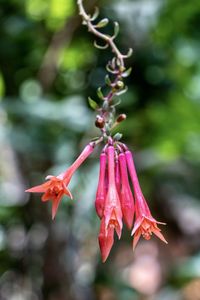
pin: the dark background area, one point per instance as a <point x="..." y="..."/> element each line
<point x="48" y="68"/>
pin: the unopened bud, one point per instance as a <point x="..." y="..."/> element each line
<point x="119" y="85"/>
<point x="121" y="118"/>
<point x="99" y="123"/>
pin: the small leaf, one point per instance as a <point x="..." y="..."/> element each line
<point x="92" y="103"/>
<point x="116" y="29"/>
<point x="99" y="46"/>
<point x="102" y="23"/>
<point x="127" y="72"/>
<point x="100" y="94"/>
<point x="117" y="136"/>
<point x="95" y="15"/>
<point x="107" y="80"/>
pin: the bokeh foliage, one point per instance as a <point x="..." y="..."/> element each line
<point x="48" y="67"/>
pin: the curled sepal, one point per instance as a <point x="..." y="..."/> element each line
<point x="93" y="103"/>
<point x="96" y="14"/>
<point x="122" y="91"/>
<point x="110" y="69"/>
<point x="101" y="47"/>
<point x="130" y="52"/>
<point x="116" y="30"/>
<point x="102" y="23"/>
<point x="100" y="94"/>
<point x="126" y="73"/>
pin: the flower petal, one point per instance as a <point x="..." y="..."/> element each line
<point x="105" y="240"/>
<point x="66" y="191"/>
<point x="55" y="204"/>
<point x="39" y="188"/>
<point x="136" y="238"/>
<point x="157" y="232"/>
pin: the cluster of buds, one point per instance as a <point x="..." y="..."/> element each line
<point x="116" y="203"/>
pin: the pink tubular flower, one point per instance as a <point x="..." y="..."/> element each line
<point x="145" y="224"/>
<point x="117" y="176"/>
<point x="56" y="186"/>
<point x="126" y="197"/>
<point x="101" y="189"/>
<point x="106" y="240"/>
<point x="112" y="210"/>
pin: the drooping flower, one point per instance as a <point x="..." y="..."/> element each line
<point x="126" y="197"/>
<point x="106" y="240"/>
<point x="56" y="186"/>
<point x="145" y="224"/>
<point x="112" y="210"/>
<point x="101" y="188"/>
<point x="54" y="189"/>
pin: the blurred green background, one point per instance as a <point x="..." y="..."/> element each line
<point x="48" y="67"/>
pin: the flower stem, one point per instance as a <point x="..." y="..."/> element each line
<point x="106" y="113"/>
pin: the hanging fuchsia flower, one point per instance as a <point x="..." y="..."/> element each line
<point x="112" y="209"/>
<point x="115" y="202"/>
<point x="101" y="189"/>
<point x="145" y="224"/>
<point x="54" y="189"/>
<point x="56" y="186"/>
<point x="126" y="196"/>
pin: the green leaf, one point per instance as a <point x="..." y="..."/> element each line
<point x="100" y="94"/>
<point x="107" y="80"/>
<point x="127" y="72"/>
<point x="102" y="23"/>
<point x="117" y="136"/>
<point x="116" y="29"/>
<point x="92" y="103"/>
<point x="95" y="15"/>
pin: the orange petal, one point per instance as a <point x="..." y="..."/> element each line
<point x="105" y="241"/>
<point x="136" y="238"/>
<point x="38" y="188"/>
<point x="45" y="197"/>
<point x="55" y="204"/>
<point x="118" y="231"/>
<point x="159" y="234"/>
<point x="137" y="224"/>
<point x="67" y="191"/>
